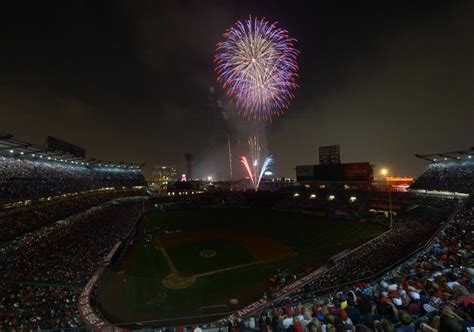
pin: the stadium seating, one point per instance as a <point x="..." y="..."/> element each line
<point x="20" y="220"/>
<point x="24" y="179"/>
<point x="55" y="262"/>
<point x="452" y="176"/>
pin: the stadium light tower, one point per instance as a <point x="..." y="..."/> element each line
<point x="384" y="173"/>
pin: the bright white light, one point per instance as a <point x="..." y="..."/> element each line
<point x="255" y="162"/>
<point x="11" y="151"/>
<point x="22" y="153"/>
<point x="296" y="195"/>
<point x="209" y="178"/>
<point x="331" y="197"/>
<point x="268" y="173"/>
<point x="312" y="196"/>
<point x="435" y="159"/>
<point x="353" y="198"/>
<point x="469" y="157"/>
<point x="33" y="155"/>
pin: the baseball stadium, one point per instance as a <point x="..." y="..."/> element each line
<point x="109" y="252"/>
<point x="237" y="166"/>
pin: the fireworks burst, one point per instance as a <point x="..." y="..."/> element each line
<point x="256" y="64"/>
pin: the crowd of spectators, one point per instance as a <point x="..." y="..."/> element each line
<point x="30" y="217"/>
<point x="431" y="292"/>
<point x="22" y="179"/>
<point x="25" y="307"/>
<point x="60" y="257"/>
<point x="70" y="250"/>
<point x="452" y="176"/>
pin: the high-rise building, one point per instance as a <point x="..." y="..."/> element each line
<point x="162" y="174"/>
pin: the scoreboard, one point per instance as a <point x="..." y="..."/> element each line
<point x="350" y="172"/>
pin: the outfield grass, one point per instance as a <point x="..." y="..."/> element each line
<point x="132" y="295"/>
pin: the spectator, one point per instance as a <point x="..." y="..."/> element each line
<point x="405" y="323"/>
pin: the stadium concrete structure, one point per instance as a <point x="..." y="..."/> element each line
<point x="84" y="247"/>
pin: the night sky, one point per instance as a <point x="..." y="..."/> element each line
<point x="130" y="80"/>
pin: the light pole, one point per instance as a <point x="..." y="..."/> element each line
<point x="384" y="173"/>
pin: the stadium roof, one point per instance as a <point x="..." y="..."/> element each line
<point x="12" y="147"/>
<point x="444" y="156"/>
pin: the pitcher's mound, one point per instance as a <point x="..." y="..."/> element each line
<point x="207" y="253"/>
<point x="176" y="281"/>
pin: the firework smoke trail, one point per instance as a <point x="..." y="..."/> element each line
<point x="248" y="169"/>
<point x="256" y="64"/>
<point x="254" y="154"/>
<point x="266" y="164"/>
<point x="230" y="156"/>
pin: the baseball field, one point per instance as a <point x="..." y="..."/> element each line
<point x="201" y="262"/>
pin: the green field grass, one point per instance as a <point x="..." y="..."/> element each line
<point x="187" y="259"/>
<point x="135" y="292"/>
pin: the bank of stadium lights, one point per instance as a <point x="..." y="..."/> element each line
<point x="73" y="162"/>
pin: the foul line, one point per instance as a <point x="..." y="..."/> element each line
<point x="173" y="269"/>
<point x="168" y="260"/>
<point x="227" y="269"/>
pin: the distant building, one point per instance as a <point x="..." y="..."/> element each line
<point x="162" y="175"/>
